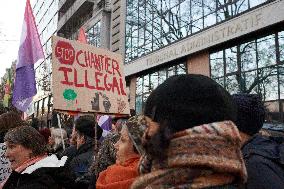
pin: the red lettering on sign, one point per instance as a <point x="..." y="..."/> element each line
<point x="97" y="63"/>
<point x="76" y="79"/>
<point x="92" y="62"/>
<point x="87" y="57"/>
<point x="64" y="52"/>
<point x="86" y="81"/>
<point x="115" y="85"/>
<point x="77" y="58"/>
<point x="91" y="79"/>
<point x="107" y="86"/>
<point x="121" y="87"/>
<point x="97" y="75"/>
<point x="115" y="66"/>
<point x="107" y="64"/>
<point x="66" y="70"/>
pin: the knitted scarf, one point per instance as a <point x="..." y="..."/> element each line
<point x="119" y="176"/>
<point x="200" y="157"/>
<point x="29" y="162"/>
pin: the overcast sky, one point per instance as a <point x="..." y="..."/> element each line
<point x="11" y="19"/>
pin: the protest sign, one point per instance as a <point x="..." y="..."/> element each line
<point x="87" y="79"/>
<point x="5" y="170"/>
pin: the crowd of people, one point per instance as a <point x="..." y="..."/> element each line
<point x="192" y="134"/>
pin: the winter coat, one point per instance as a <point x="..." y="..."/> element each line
<point x="106" y="156"/>
<point x="119" y="176"/>
<point x="48" y="173"/>
<point x="264" y="158"/>
<point x="69" y="152"/>
<point x="82" y="159"/>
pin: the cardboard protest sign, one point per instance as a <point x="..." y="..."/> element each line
<point x="5" y="169"/>
<point x="87" y="79"/>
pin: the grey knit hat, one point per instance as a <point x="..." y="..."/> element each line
<point x="136" y="127"/>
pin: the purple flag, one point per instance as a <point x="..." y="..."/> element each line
<point x="106" y="124"/>
<point x="30" y="51"/>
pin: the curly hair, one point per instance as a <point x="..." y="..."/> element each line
<point x="28" y="137"/>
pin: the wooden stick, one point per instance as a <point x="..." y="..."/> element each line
<point x="61" y="134"/>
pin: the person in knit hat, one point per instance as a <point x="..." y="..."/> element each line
<point x="251" y="113"/>
<point x="125" y="170"/>
<point x="264" y="156"/>
<point x="190" y="140"/>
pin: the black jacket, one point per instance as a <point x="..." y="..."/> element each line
<point x="81" y="160"/>
<point x="264" y="158"/>
<point x="42" y="178"/>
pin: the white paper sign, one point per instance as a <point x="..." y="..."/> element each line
<point x="5" y="169"/>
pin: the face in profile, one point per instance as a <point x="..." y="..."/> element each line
<point x="124" y="147"/>
<point x="17" y="154"/>
<point x="151" y="130"/>
<point x="155" y="139"/>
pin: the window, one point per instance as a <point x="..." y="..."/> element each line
<point x="153" y="24"/>
<point x="94" y="35"/>
<point x="147" y="83"/>
<point x="281" y="45"/>
<point x="253" y="67"/>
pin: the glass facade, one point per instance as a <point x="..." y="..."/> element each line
<point x="147" y="83"/>
<point x="257" y="67"/>
<point x="153" y="24"/>
<point x="94" y="34"/>
<point x="46" y="17"/>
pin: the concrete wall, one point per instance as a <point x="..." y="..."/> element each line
<point x="132" y="91"/>
<point x="105" y="18"/>
<point x="117" y="37"/>
<point x="199" y="64"/>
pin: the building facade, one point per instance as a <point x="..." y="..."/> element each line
<point x="92" y="15"/>
<point x="238" y="43"/>
<point x="46" y="17"/>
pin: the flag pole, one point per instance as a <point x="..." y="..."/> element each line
<point x="96" y="130"/>
<point x="30" y="51"/>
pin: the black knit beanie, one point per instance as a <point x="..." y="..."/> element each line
<point x="251" y="113"/>
<point x="185" y="101"/>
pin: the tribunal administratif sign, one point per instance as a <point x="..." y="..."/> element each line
<point x="87" y="79"/>
<point x="251" y="21"/>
